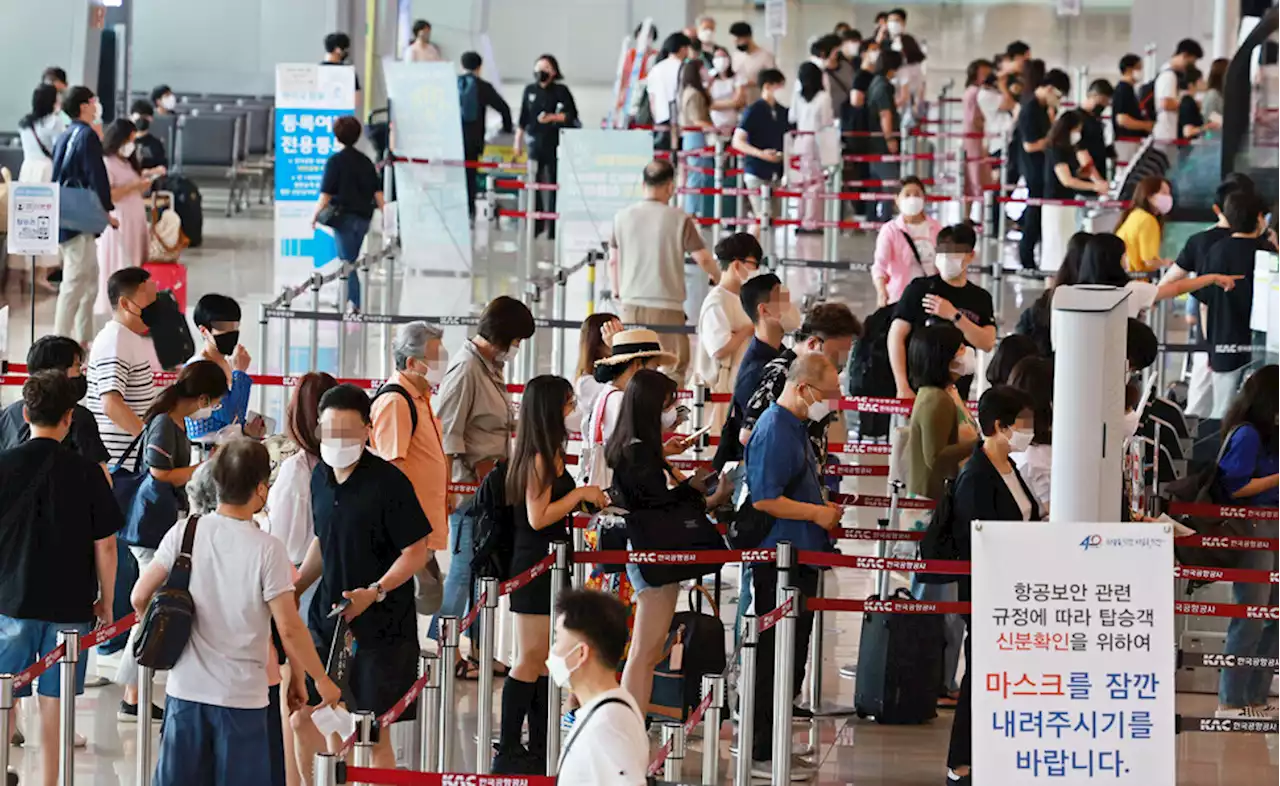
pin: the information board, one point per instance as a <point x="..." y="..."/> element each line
<point x="600" y="173"/>
<point x="33" y="218"/>
<point x="1073" y="656"/>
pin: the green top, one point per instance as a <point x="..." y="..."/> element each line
<point x="934" y="451"/>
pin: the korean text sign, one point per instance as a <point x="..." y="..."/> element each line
<point x="1073" y="658"/>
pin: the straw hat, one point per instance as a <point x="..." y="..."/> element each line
<point x="637" y="343"/>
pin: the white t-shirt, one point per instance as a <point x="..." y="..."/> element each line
<point x="44" y="132"/>
<point x="289" y="506"/>
<point x="663" y="84"/>
<point x="1166" y="127"/>
<point x="812" y="115"/>
<point x="748" y="65"/>
<point x="720" y="90"/>
<point x="721" y="315"/>
<point x="236" y="570"/>
<point x="1142" y="296"/>
<point x="1019" y="495"/>
<point x="608" y="746"/>
<point x="122" y="362"/>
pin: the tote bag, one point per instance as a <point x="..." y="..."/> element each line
<point x="80" y="210"/>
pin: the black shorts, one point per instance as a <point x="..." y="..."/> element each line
<point x="380" y="676"/>
<point x="534" y="597"/>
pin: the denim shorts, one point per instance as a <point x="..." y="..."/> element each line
<point x="637" y="579"/>
<point x="23" y="642"/>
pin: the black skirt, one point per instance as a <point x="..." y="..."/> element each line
<point x="534" y="597"/>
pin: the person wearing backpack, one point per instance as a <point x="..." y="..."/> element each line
<point x="607" y="744"/>
<point x="1128" y="120"/>
<point x="57" y="570"/>
<point x="1164" y="94"/>
<point x="543" y="495"/>
<point x="475" y="97"/>
<point x="905" y="247"/>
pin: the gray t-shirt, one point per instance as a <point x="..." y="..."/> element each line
<point x="881" y="97"/>
<point x="166" y="445"/>
<point x="652" y="239"/>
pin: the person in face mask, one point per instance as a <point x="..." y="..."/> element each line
<point x="988" y="487"/>
<point x="905" y="246"/>
<point x="724" y="328"/>
<point x="61" y="354"/>
<point x="1092" y="133"/>
<point x="126" y="244"/>
<point x="1035" y="119"/>
<point x="406" y="431"/>
<point x="942" y="429"/>
<point x="948" y="296"/>
<point x="166" y="458"/>
<point x="337" y="51"/>
<point x="750" y="59"/>
<point x="370" y="540"/>
<point x="1034" y="377"/>
<point x="1070" y="172"/>
<point x="705" y="32"/>
<point x="783" y="482"/>
<point x="122" y="363"/>
<point x="607" y="744"/>
<point x="1141" y="225"/>
<point x="884" y="121"/>
<point x="217" y="317"/>
<point x="546" y="106"/>
<point x="728" y="95"/>
<point x="163" y="99"/>
<point x="895" y="24"/>
<point x="1129" y="122"/>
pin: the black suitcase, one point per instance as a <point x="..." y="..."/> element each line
<point x="900" y="661"/>
<point x="170" y="332"/>
<point x="187" y="202"/>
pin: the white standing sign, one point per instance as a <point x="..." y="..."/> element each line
<point x="1073" y="657"/>
<point x="775" y="19"/>
<point x="33" y="218"/>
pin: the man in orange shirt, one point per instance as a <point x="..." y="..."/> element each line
<point x="406" y="432"/>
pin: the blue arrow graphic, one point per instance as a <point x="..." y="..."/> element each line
<point x="320" y="247"/>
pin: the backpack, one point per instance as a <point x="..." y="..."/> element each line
<point x="1204" y="486"/>
<point x="165" y="628"/>
<point x="1147" y="100"/>
<point x="469" y="97"/>
<point x="870" y="373"/>
<point x="392" y="387"/>
<point x="695" y="646"/>
<point x="495" y="527"/>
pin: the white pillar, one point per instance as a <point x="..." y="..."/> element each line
<point x="1221" y="35"/>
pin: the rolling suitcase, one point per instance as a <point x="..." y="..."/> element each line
<point x="900" y="661"/>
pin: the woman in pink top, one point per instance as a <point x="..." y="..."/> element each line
<point x="126" y="245"/>
<point x="978" y="173"/>
<point x="905" y="245"/>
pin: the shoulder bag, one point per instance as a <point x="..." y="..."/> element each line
<point x="750" y="525"/>
<point x="150" y="506"/>
<point x="165" y="628"/>
<point x="680" y="526"/>
<point x="80" y="209"/>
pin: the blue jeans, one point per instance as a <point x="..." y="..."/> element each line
<point x="694" y="203"/>
<point x="204" y="744"/>
<point x="23" y="642"/>
<point x="349" y="236"/>
<point x="1244" y="687"/>
<point x="457" y="583"/>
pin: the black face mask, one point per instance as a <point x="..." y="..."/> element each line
<point x="150" y="315"/>
<point x="81" y="386"/>
<point x="744" y="48"/>
<point x="1098" y="110"/>
<point x="227" y="342"/>
<point x="542" y="77"/>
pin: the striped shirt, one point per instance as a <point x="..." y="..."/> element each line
<point x="121" y="362"/>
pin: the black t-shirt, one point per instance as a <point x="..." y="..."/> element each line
<point x="150" y="151"/>
<point x="1124" y="101"/>
<point x="351" y="180"/>
<point x="83" y="438"/>
<point x="1053" y="187"/>
<point x="56" y="504"/>
<point x="862" y="80"/>
<point x="971" y="300"/>
<point x="857" y="116"/>
<point x="1195" y="254"/>
<point x="1228" y="327"/>
<point x="1189" y="114"/>
<point x="1033" y="124"/>
<point x="363" y="524"/>
<point x="544" y="138"/>
<point x="1094" y="141"/>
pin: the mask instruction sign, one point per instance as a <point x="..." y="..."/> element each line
<point x="33" y="218"/>
<point x="1073" y="658"/>
<point x="309" y="98"/>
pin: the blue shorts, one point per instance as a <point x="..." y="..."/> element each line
<point x="201" y="743"/>
<point x="23" y="642"/>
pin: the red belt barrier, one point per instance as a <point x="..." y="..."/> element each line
<point x="1228" y="542"/>
<point x="691" y="723"/>
<point x="876" y="501"/>
<point x="537" y="215"/>
<point x="823" y="224"/>
<point x="883" y="183"/>
<point x="714" y="191"/>
<point x="91" y="639"/>
<point x="770" y="618"/>
<point x="1208" y="510"/>
<point x="408" y="778"/>
<point x="167" y="378"/>
<point x="877" y="405"/>
<point x="949" y="567"/>
<point x="1244" y="575"/>
<point x="29" y="674"/>
<point x="872" y="158"/>
<point x="1033" y="201"/>
<point x="708" y="221"/>
<point x="511" y="585"/>
<point x="400" y="707"/>
<point x="857" y="471"/>
<point x="99" y="635"/>
<point x="470" y="619"/>
<point x="467" y="164"/>
<point x="1234" y="610"/>
<point x="704" y="557"/>
<point x="878" y="534"/>
<point x="462" y="488"/>
<point x="520" y="185"/>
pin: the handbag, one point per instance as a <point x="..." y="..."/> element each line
<point x="939" y="537"/>
<point x="80" y="209"/>
<point x="150" y="506"/>
<point x="329" y="215"/>
<point x="165" y="241"/>
<point x="680" y="526"/>
<point x="166" y="625"/>
<point x="1203" y="486"/>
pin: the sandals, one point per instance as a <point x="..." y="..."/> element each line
<point x="469" y="669"/>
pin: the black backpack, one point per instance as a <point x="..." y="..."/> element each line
<point x="165" y="628"/>
<point x="469" y="97"/>
<point x="495" y="527"/>
<point x="870" y="373"/>
<point x="1147" y="100"/>
<point x="399" y="390"/>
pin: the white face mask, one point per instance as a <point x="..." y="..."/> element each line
<point x="894" y="27"/>
<point x="97" y="112"/>
<point x="169" y="102"/>
<point x="911" y="206"/>
<point x="126" y="150"/>
<point x="1137" y="77"/>
<point x="340" y="455"/>
<point x="669" y="417"/>
<point x="873" y="57"/>
<point x="1076" y="136"/>
<point x="818" y="410"/>
<point x="706" y="35"/>
<point x="201" y="414"/>
<point x="573" y="422"/>
<point x="965" y="363"/>
<point x="558" y="668"/>
<point x="721" y="64"/>
<point x="849" y="49"/>
<point x="1162" y="203"/>
<point x="1020" y="440"/>
<point x="950" y="266"/>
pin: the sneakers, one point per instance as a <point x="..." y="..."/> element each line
<point x="128" y="713"/>
<point x="1247" y="713"/>
<point x="801" y="770"/>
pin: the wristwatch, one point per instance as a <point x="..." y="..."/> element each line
<point x="377" y="587"/>
<point x="956" y="319"/>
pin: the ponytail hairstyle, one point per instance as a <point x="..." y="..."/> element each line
<point x="201" y="378"/>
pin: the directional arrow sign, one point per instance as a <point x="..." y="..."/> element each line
<point x="321" y="247"/>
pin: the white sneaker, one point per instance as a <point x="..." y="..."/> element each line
<point x="1246" y="713"/>
<point x="800" y="770"/>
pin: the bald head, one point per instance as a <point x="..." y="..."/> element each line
<point x="813" y="369"/>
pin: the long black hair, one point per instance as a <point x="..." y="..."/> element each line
<point x="810" y="79"/>
<point x="115" y="136"/>
<point x="1257" y="405"/>
<point x="541" y="434"/>
<point x="44" y="101"/>
<point x="1101" y="261"/>
<point x="640" y="420"/>
<point x="201" y="378"/>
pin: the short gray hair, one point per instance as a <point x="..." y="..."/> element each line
<point x="705" y="18"/>
<point x="411" y="341"/>
<point x="202" y="495"/>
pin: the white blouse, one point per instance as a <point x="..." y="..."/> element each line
<point x="289" y="506"/>
<point x="45" y="132"/>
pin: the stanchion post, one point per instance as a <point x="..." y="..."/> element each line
<point x="366" y="723"/>
<point x="712" y="684"/>
<point x="559" y="577"/>
<point x="1002" y="226"/>
<point x="530" y="205"/>
<point x="1081" y="81"/>
<point x="343" y="294"/>
<point x="746" y="698"/>
<point x="785" y="559"/>
<point x="673" y="735"/>
<point x="325" y="767"/>
<point x="815" y="654"/>
<point x="484" y="703"/>
<point x="260" y="391"/>
<point x="988" y="228"/>
<point x="717" y="180"/>
<point x="579" y="568"/>
<point x="146" y="691"/>
<point x="313" y="334"/>
<point x="362" y="328"/>
<point x="700" y="395"/>
<point x="591" y="284"/>
<point x="286" y="331"/>
<point x="6" y="730"/>
<point x="67" y="707"/>
<point x="784" y="646"/>
<point x="766" y="219"/>
<point x="428" y="720"/>
<point x="558" y="307"/>
<point x="448" y="656"/>
<point x="1155" y="463"/>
